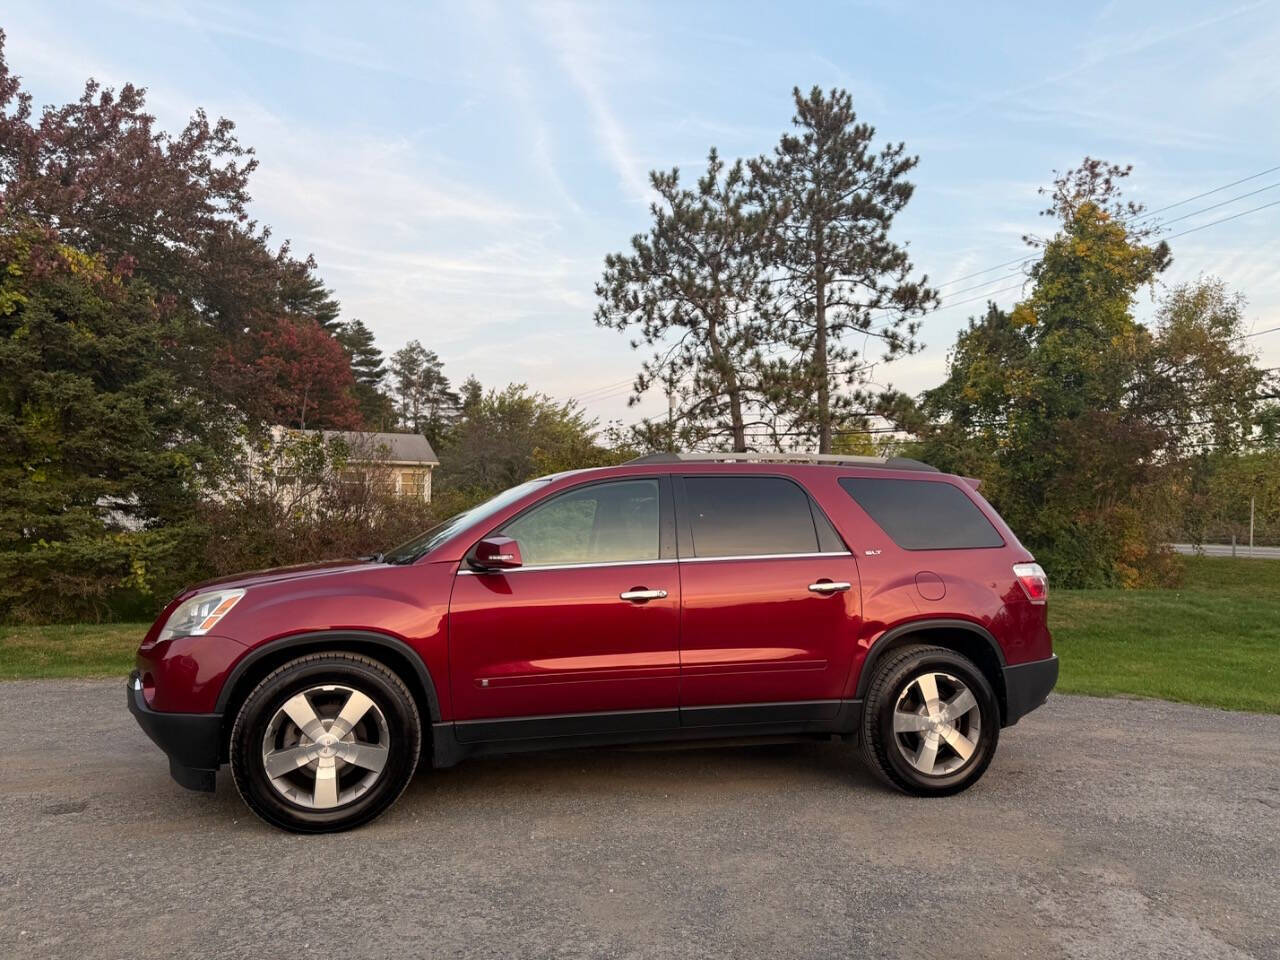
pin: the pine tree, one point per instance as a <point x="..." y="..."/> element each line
<point x="689" y="286"/>
<point x="472" y="397"/>
<point x="406" y="377"/>
<point x="425" y="400"/>
<point x="366" y="359"/>
<point x="105" y="443"/>
<point x="303" y="294"/>
<point x="370" y="371"/>
<point x="837" y="272"/>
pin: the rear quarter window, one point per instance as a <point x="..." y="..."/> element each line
<point x="923" y="514"/>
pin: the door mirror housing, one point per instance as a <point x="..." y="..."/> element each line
<point x="497" y="553"/>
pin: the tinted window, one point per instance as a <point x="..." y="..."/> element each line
<point x="749" y="516"/>
<point x="604" y="523"/>
<point x="828" y="540"/>
<point x="923" y="515"/>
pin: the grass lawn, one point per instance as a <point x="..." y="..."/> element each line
<point x="69" y="650"/>
<point x="1213" y="641"/>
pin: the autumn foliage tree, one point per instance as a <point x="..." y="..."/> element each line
<point x="146" y="323"/>
<point x="301" y="376"/>
<point x="172" y="209"/>
<point x="1081" y="420"/>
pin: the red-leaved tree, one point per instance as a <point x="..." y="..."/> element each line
<point x="298" y="375"/>
<point x="171" y="209"/>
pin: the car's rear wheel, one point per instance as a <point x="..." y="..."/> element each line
<point x="325" y="743"/>
<point x="930" y="722"/>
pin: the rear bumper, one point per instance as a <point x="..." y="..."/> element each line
<point x="1027" y="686"/>
<point x="192" y="741"/>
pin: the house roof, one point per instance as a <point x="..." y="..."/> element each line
<point x="396" y="447"/>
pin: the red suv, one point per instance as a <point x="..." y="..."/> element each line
<point x="676" y="597"/>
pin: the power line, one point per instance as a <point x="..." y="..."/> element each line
<point x="977" y="286"/>
<point x="1225" y="186"/>
<point x="969" y="276"/>
<point x="1183" y="233"/>
<point x="604" y="391"/>
<point x="1215" y="206"/>
<point x="1214" y="223"/>
<point x="1258" y="333"/>
<point x="1145" y="215"/>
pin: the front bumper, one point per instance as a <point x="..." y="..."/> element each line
<point x="193" y="741"/>
<point x="1027" y="686"/>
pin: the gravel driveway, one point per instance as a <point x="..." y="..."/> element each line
<point x="1104" y="828"/>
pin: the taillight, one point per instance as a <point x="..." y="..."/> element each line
<point x="1034" y="583"/>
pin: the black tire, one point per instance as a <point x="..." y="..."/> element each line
<point x="883" y="748"/>
<point x="344" y="669"/>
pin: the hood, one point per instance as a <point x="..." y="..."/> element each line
<point x="255" y="578"/>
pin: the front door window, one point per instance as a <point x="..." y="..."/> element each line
<point x="604" y="523"/>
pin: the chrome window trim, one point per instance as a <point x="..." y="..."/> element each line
<point x="768" y="556"/>
<point x="638" y="563"/>
<point x="568" y="566"/>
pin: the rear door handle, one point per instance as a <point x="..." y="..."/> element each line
<point x="830" y="586"/>
<point x="640" y="595"/>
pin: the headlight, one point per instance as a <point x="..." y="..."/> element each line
<point x="200" y="614"/>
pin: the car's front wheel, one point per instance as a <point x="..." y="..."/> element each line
<point x="930" y="721"/>
<point x="325" y="742"/>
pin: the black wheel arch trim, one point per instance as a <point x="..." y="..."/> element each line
<point x="885" y="641"/>
<point x="311" y="638"/>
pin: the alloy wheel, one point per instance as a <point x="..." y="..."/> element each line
<point x="326" y="746"/>
<point x="937" y="723"/>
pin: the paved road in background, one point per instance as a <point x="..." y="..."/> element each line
<point x="1104" y="828"/>
<point x="1224" y="550"/>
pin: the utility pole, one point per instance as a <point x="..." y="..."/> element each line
<point x="1252" y="502"/>
<point x="671" y="411"/>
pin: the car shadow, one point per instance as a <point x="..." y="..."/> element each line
<point x="670" y="768"/>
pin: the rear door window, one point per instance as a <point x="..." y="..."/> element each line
<point x="923" y="514"/>
<point x="749" y="517"/>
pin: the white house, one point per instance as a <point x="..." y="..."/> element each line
<point x="407" y="458"/>
<point x="396" y="463"/>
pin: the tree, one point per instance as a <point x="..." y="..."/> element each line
<point x="104" y="442"/>
<point x="1200" y="384"/>
<point x="111" y="184"/>
<point x="837" y="273"/>
<point x="1231" y="489"/>
<point x="424" y="398"/>
<point x="302" y="377"/>
<point x="370" y="371"/>
<point x="472" y="397"/>
<point x="170" y="208"/>
<point x="366" y="359"/>
<point x="1079" y="419"/>
<point x="689" y="287"/>
<point x="513" y="435"/>
<point x="304" y="295"/>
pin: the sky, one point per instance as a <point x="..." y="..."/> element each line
<point x="461" y="170"/>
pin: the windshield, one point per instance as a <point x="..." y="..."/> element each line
<point x="424" y="542"/>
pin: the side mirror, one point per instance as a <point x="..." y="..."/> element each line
<point x="497" y="553"/>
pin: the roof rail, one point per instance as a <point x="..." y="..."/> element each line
<point x="829" y="459"/>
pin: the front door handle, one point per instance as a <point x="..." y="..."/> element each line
<point x="640" y="595"/>
<point x="830" y="586"/>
